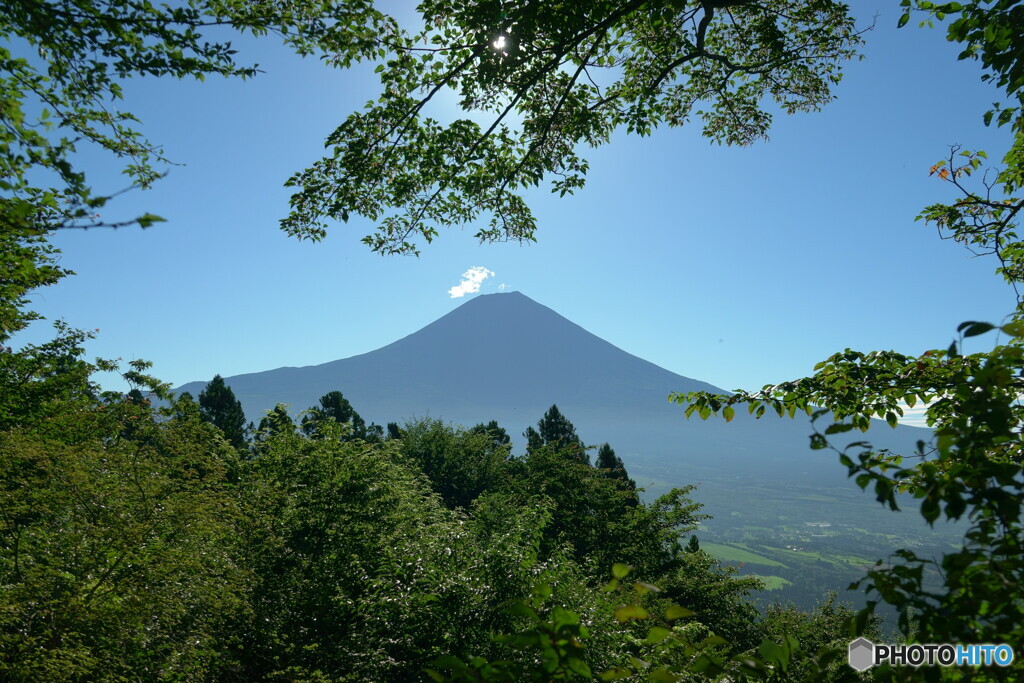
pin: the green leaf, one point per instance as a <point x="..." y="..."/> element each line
<point x="904" y="18"/>
<point x="676" y="612"/>
<point x="619" y="570"/>
<point x="973" y="329"/>
<point x="839" y="428"/>
<point x="519" y="609"/>
<point x="561" y="618"/>
<point x="449" y="662"/>
<point x="773" y="654"/>
<point x="715" y="641"/>
<point x="657" y="634"/>
<point x="579" y="667"/>
<point x="1014" y="329"/>
<point x="148" y="219"/>
<point x="728" y="413"/>
<point x="630" y="612"/>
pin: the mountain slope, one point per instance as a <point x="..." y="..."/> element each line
<point x="506" y="357"/>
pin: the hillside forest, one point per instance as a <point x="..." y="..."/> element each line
<point x="146" y="536"/>
<point x="181" y="543"/>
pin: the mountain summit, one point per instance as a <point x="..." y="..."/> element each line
<point x="496" y="352"/>
<point x="506" y="357"/>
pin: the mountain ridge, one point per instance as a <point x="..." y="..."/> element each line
<point x="506" y="357"/>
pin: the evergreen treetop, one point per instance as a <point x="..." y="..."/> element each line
<point x="219" y="407"/>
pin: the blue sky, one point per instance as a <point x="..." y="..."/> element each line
<point x="736" y="266"/>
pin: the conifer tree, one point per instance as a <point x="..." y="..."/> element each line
<point x="612" y="466"/>
<point x="533" y="440"/>
<point x="497" y="433"/>
<point x="334" y="406"/>
<point x="219" y="407"/>
<point x="554" y="429"/>
<point x="694" y="545"/>
<point x="374" y="433"/>
<point x="607" y="460"/>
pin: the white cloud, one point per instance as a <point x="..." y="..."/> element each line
<point x="914" y="417"/>
<point x="501" y="287"/>
<point x="471" y="281"/>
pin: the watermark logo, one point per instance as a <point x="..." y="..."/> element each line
<point x="863" y="654"/>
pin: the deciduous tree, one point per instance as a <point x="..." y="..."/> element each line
<point x="971" y="469"/>
<point x="570" y="73"/>
<point x="336" y="408"/>
<point x="62" y="67"/>
<point x="115" y="528"/>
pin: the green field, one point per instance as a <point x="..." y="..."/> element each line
<point x="775" y="531"/>
<point x="728" y="553"/>
<point x="772" y="583"/>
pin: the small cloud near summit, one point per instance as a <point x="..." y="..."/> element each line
<point x="471" y="281"/>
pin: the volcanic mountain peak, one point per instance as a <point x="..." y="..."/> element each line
<point x="506" y="357"/>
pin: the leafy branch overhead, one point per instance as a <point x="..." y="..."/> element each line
<point x="63" y="64"/>
<point x="67" y="93"/>
<point x="544" y="78"/>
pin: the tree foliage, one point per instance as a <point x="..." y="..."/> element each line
<point x="612" y="466"/>
<point x="115" y="529"/>
<point x="219" y="407"/>
<point x="555" y="430"/>
<point x="336" y="408"/>
<point x="497" y="433"/>
<point x="460" y="464"/>
<point x="87" y="51"/>
<point x="971" y="468"/>
<point x="549" y="77"/>
<point x="138" y="543"/>
<point x="63" y="65"/>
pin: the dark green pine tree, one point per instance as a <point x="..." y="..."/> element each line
<point x="219" y="407"/>
<point x="533" y="440"/>
<point x="334" y="406"/>
<point x="554" y="429"/>
<point x="497" y="433"/>
<point x="612" y="466"/>
<point x="694" y="545"/>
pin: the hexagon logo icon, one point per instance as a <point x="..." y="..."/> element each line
<point x="862" y="654"/>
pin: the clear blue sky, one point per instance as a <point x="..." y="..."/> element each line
<point x="734" y="266"/>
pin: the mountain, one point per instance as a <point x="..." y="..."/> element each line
<point x="789" y="514"/>
<point x="507" y="357"/>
